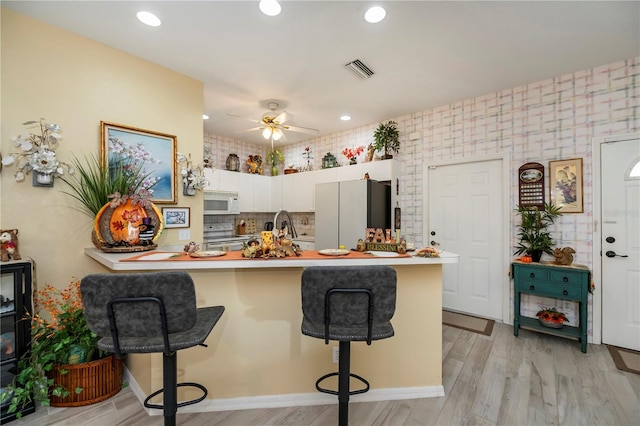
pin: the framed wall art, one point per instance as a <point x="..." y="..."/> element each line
<point x="176" y="217"/>
<point x="155" y="153"/>
<point x="565" y="184"/>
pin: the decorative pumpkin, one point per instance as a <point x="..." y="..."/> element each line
<point x="526" y="259"/>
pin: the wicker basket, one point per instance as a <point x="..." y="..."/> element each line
<point x="99" y="380"/>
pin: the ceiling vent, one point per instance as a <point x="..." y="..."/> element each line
<point x="359" y="69"/>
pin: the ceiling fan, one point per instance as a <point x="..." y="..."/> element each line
<point x="272" y="124"/>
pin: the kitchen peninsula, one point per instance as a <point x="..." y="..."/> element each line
<point x="257" y="356"/>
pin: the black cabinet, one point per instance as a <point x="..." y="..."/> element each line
<point x="15" y="327"/>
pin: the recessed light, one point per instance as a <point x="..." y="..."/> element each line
<point x="375" y="14"/>
<point x="148" y="18"/>
<point x="270" y="7"/>
<point x="345" y="118"/>
<point x="205" y="117"/>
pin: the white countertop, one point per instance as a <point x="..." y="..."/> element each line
<point x="112" y="261"/>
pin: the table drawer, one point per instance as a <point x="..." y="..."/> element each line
<point x="567" y="277"/>
<point x="532" y="274"/>
<point x="547" y="289"/>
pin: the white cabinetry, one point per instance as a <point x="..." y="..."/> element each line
<point x="253" y="192"/>
<point x="275" y="193"/>
<point x="221" y="180"/>
<point x="378" y="170"/>
<point x="298" y="192"/>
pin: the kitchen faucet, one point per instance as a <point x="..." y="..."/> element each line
<point x="289" y="222"/>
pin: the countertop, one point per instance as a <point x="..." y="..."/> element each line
<point x="112" y="261"/>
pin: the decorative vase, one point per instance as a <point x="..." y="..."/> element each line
<point x="353" y="160"/>
<point x="188" y="189"/>
<point x="274" y="170"/>
<point x="99" y="380"/>
<point x="536" y="255"/>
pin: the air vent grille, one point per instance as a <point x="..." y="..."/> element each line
<point x="359" y="68"/>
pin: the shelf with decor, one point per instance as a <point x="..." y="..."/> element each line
<point x="553" y="281"/>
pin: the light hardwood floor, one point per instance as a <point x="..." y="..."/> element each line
<point x="533" y="379"/>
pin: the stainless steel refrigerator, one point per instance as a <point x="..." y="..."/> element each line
<point x="345" y="209"/>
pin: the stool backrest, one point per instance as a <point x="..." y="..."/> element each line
<point x="140" y="319"/>
<point x="349" y="309"/>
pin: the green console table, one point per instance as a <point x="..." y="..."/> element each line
<point x="559" y="282"/>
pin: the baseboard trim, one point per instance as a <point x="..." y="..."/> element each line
<point x="290" y="400"/>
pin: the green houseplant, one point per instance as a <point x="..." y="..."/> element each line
<point x="61" y="341"/>
<point x="533" y="230"/>
<point x="387" y="138"/>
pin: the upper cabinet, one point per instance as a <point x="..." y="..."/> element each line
<point x="253" y="192"/>
<point x="298" y="192"/>
<point x="222" y="180"/>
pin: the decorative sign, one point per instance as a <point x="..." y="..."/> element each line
<point x="378" y="239"/>
<point x="531" y="185"/>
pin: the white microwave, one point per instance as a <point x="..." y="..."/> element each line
<point x="221" y="202"/>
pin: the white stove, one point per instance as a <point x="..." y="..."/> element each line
<point x="221" y="236"/>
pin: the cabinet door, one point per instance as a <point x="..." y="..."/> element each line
<point x="245" y="192"/>
<point x="261" y="190"/>
<point x="229" y="181"/>
<point x="298" y="192"/>
<point x="213" y="179"/>
<point x="275" y="193"/>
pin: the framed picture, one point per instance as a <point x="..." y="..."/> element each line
<point x="565" y="184"/>
<point x="155" y="153"/>
<point x="176" y="217"/>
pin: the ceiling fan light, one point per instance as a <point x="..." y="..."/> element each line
<point x="375" y="14"/>
<point x="266" y="133"/>
<point x="270" y="7"/>
<point x="277" y="134"/>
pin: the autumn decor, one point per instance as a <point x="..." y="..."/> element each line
<point x="352" y="153"/>
<point x="551" y="317"/>
<point x="64" y="367"/>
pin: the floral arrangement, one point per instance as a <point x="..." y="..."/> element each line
<point x="37" y="151"/>
<point x="60" y="335"/>
<point x="193" y="177"/>
<point x="307" y="156"/>
<point x="552" y="315"/>
<point x="351" y="153"/>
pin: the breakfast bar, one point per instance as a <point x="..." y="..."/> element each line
<point x="257" y="357"/>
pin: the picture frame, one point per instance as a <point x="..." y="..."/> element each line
<point x="157" y="151"/>
<point x="176" y="217"/>
<point x="565" y="185"/>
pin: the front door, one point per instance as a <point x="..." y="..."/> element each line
<point x="620" y="170"/>
<point x="466" y="217"/>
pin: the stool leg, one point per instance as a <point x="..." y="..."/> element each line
<point x="170" y="394"/>
<point x="344" y="370"/>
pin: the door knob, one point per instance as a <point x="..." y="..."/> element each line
<point x="613" y="254"/>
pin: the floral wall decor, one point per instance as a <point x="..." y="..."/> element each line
<point x="192" y="176"/>
<point x="37" y="153"/>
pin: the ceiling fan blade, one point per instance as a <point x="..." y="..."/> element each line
<point x="245" y="118"/>
<point x="283" y="116"/>
<point x="301" y="129"/>
<point x="253" y="129"/>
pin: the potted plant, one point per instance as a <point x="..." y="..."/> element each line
<point x="551" y="317"/>
<point x="64" y="367"/>
<point x="535" y="237"/>
<point x="387" y="138"/>
<point x="274" y="157"/>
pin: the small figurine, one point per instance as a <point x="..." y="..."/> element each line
<point x="9" y="245"/>
<point x="563" y="256"/>
<point x="191" y="247"/>
<point x="255" y="164"/>
<point x="146" y="232"/>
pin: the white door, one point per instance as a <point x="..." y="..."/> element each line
<point x="620" y="170"/>
<point x="466" y="217"/>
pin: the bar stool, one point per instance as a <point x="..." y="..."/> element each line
<point x="149" y="313"/>
<point x="348" y="303"/>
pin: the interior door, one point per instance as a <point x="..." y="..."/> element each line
<point x="620" y="171"/>
<point x="466" y="217"/>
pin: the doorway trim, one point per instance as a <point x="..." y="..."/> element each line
<point x="597" y="229"/>
<point x="505" y="158"/>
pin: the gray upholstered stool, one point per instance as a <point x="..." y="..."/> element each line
<point x="147" y="313"/>
<point x="348" y="303"/>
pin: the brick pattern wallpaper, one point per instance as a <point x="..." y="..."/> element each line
<point x="548" y="120"/>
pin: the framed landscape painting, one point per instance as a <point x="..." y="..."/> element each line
<point x="565" y="183"/>
<point x="154" y="152"/>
